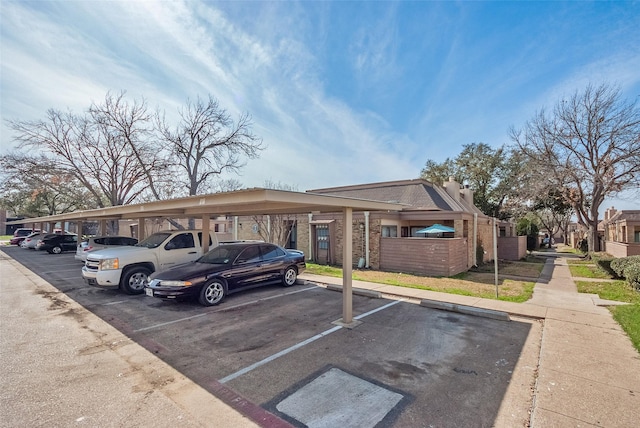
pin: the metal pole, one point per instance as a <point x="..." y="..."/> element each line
<point x="495" y="254"/>
<point x="347" y="248"/>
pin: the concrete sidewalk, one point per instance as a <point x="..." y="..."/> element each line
<point x="56" y="372"/>
<point x="588" y="372"/>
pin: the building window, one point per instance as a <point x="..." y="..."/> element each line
<point x="322" y="234"/>
<point x="389" y="231"/>
<point x="636" y="236"/>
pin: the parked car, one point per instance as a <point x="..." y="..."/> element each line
<point x="228" y="268"/>
<point x="101" y="242"/>
<point x="57" y="243"/>
<point x="128" y="268"/>
<point x="20" y="234"/>
<point x="32" y="239"/>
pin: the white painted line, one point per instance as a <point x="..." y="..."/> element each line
<point x="298" y="345"/>
<point x="395" y="302"/>
<point x="278" y="355"/>
<point x="114" y="303"/>
<point x="226" y="308"/>
<point x="170" y="322"/>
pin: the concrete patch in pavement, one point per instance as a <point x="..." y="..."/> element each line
<point x="336" y="398"/>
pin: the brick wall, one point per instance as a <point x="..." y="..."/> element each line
<point x="512" y="247"/>
<point x="620" y="249"/>
<point x="424" y="256"/>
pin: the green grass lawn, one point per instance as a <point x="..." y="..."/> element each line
<point x="628" y="316"/>
<point x="477" y="284"/>
<point x="587" y="270"/>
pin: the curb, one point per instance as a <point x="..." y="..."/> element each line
<point x="467" y="310"/>
<point x="358" y="291"/>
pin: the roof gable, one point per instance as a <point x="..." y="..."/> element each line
<point x="419" y="194"/>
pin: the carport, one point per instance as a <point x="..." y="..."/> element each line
<point x="246" y="202"/>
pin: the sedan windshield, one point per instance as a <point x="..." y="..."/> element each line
<point x="154" y="240"/>
<point x="221" y="255"/>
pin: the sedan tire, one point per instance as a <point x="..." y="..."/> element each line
<point x="56" y="250"/>
<point x="135" y="279"/>
<point x="290" y="276"/>
<point x="212" y="293"/>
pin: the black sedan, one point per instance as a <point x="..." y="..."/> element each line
<point x="228" y="268"/>
<point x="57" y="243"/>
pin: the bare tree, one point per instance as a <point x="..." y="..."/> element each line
<point x="109" y="151"/>
<point x="590" y="147"/>
<point x="207" y="142"/>
<point x="129" y="127"/>
<point x="277" y="228"/>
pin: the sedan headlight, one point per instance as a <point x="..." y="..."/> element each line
<point x="164" y="283"/>
<point x="109" y="264"/>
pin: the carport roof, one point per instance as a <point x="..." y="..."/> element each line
<point x="256" y="201"/>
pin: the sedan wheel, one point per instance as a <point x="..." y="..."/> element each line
<point x="290" y="276"/>
<point x="56" y="250"/>
<point x="212" y="293"/>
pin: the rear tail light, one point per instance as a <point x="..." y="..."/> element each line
<point x="88" y="248"/>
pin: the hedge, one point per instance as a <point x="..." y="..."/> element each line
<point x="603" y="261"/>
<point x="628" y="268"/>
<point x="619" y="265"/>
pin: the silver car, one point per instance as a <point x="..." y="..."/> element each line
<point x="31" y="240"/>
<point x="100" y="242"/>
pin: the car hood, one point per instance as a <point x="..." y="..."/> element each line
<point x="111" y="253"/>
<point x="189" y="270"/>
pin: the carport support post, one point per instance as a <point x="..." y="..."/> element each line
<point x="205" y="232"/>
<point x="142" y="232"/>
<point x="347" y="249"/>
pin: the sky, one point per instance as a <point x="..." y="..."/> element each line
<point x="341" y="92"/>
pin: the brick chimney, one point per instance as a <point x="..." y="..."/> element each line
<point x="453" y="188"/>
<point x="467" y="194"/>
<point x="609" y="213"/>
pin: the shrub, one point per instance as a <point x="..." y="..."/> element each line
<point x="479" y="255"/>
<point x="603" y="261"/>
<point x="583" y="245"/>
<point x="632" y="274"/>
<point x="618" y="266"/>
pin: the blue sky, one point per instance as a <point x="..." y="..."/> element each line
<point x="341" y="92"/>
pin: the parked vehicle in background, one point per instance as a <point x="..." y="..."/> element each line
<point x="128" y="268"/>
<point x="31" y="240"/>
<point x="228" y="268"/>
<point x="96" y="243"/>
<point x="20" y="234"/>
<point x="57" y="243"/>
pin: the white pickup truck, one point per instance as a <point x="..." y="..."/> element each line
<point x="128" y="268"/>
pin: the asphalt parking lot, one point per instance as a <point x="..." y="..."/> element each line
<point x="277" y="348"/>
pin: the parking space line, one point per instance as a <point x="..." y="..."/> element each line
<point x="223" y="309"/>
<point x="299" y="345"/>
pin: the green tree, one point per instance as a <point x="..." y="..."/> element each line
<point x="494" y="174"/>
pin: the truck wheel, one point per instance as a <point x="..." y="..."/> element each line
<point x="290" y="276"/>
<point x="212" y="293"/>
<point x="135" y="279"/>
